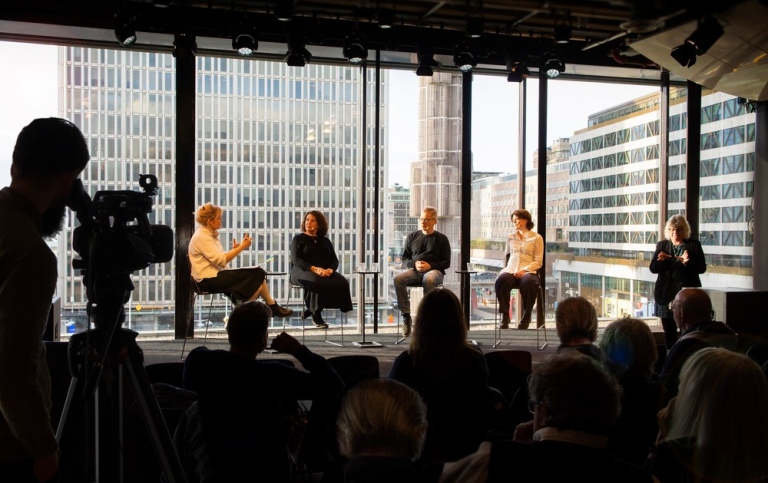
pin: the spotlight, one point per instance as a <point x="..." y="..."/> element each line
<point x="700" y="41"/>
<point x="184" y="45"/>
<point x="297" y="55"/>
<point x="464" y="58"/>
<point x="475" y="27"/>
<point x="562" y="34"/>
<point x="427" y="60"/>
<point x="284" y="10"/>
<point x="518" y="72"/>
<point x="554" y="67"/>
<point x="385" y="18"/>
<point x="244" y="40"/>
<point x="354" y="49"/>
<point x="125" y="32"/>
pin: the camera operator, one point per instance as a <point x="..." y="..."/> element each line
<point x="48" y="156"/>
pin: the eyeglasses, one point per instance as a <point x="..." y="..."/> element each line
<point x="422" y="220"/>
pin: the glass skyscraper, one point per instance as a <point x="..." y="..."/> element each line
<point x="273" y="142"/>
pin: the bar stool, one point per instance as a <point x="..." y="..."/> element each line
<point x="540" y="322"/>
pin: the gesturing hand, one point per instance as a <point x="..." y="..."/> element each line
<point x="286" y="343"/>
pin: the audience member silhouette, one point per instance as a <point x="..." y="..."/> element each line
<point x="381" y="428"/>
<point x="629" y="353"/>
<point x="575" y="403"/>
<point x="243" y="401"/>
<point x="576" y="324"/>
<point x="450" y="375"/>
<point x="716" y="430"/>
<point x="692" y="309"/>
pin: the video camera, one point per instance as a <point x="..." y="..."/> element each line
<point x="115" y="238"/>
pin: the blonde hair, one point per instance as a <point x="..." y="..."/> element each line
<point x="206" y="213"/>
<point x="681" y="224"/>
<point x="721" y="405"/>
<point x="575" y="317"/>
<point x="382" y="416"/>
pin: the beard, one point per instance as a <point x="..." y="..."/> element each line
<point x="53" y="219"/>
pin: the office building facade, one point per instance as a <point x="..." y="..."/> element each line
<point x="273" y="142"/>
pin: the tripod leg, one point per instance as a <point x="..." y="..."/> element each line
<point x="153" y="417"/>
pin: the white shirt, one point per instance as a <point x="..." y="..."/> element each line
<point x="206" y="255"/>
<point x="524" y="254"/>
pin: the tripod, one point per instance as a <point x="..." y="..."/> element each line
<point x="98" y="382"/>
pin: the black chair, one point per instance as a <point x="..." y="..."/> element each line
<point x="297" y="287"/>
<point x="199" y="292"/>
<point x="355" y="368"/>
<point x="165" y="372"/>
<point x="508" y="371"/>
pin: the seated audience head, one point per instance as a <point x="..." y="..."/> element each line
<point x="440" y="328"/>
<point x="523" y="215"/>
<point x="247" y="327"/>
<point x="572" y="391"/>
<point x="382" y="417"/>
<point x="206" y="213"/>
<point x="628" y="348"/>
<point x="721" y="405"/>
<point x="576" y="318"/>
<point x="322" y="223"/>
<point x="691" y="307"/>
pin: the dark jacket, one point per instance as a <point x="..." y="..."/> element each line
<point x="673" y="275"/>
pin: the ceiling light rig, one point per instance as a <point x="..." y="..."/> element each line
<point x="427" y="62"/>
<point x="284" y="10"/>
<point x="563" y="34"/>
<point x="464" y="57"/>
<point x="518" y="72"/>
<point x="297" y="55"/>
<point x="554" y="66"/>
<point x="385" y="18"/>
<point x="244" y="40"/>
<point x="475" y="27"/>
<point x="125" y="30"/>
<point x="700" y="41"/>
<point x="354" y="48"/>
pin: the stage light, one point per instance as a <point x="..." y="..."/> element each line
<point x="464" y="58"/>
<point x="562" y="34"/>
<point x="354" y="50"/>
<point x="475" y="27"/>
<point x="554" y="67"/>
<point x="518" y="72"/>
<point x="297" y="55"/>
<point x="385" y="18"/>
<point x="700" y="41"/>
<point x="244" y="40"/>
<point x="125" y="32"/>
<point x="284" y="10"/>
<point x="427" y="60"/>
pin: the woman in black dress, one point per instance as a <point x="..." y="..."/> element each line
<point x="678" y="260"/>
<point x="313" y="266"/>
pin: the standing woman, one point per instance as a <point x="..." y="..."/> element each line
<point x="208" y="261"/>
<point x="313" y="266"/>
<point x="678" y="261"/>
<point x="523" y="256"/>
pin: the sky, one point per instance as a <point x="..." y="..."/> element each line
<point x="32" y="93"/>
